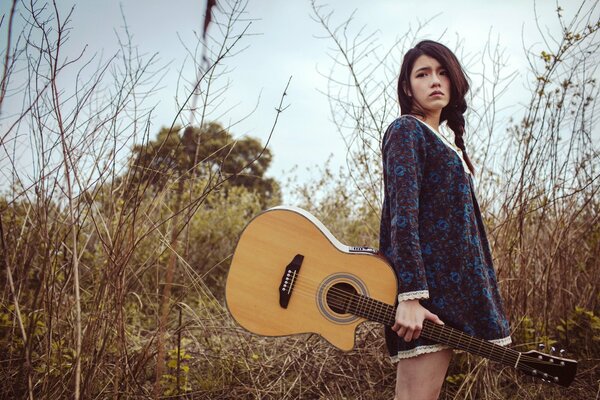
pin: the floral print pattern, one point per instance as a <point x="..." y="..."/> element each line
<point x="432" y="233"/>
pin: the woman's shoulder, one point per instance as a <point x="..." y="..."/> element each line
<point x="405" y="121"/>
<point x="405" y="126"/>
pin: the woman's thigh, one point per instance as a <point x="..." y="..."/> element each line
<point x="422" y="377"/>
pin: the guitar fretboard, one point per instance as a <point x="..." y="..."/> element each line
<point x="377" y="311"/>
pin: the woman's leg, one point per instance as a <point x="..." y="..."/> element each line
<point x="421" y="377"/>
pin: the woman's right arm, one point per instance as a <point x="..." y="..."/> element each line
<point x="404" y="155"/>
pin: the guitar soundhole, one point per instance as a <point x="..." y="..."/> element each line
<point x="339" y="297"/>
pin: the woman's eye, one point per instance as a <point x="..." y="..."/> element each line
<point x="420" y="75"/>
<point x="443" y="72"/>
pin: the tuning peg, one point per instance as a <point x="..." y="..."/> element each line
<point x="562" y="352"/>
<point x="541" y="346"/>
<point x="552" y="349"/>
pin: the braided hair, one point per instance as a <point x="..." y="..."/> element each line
<point x="453" y="113"/>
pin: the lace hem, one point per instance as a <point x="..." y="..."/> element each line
<point x="419" y="294"/>
<point x="417" y="351"/>
<point x="502" y="342"/>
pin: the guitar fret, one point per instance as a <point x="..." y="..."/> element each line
<point x="372" y="307"/>
<point x="490" y="350"/>
<point x="365" y="306"/>
<point x="375" y="310"/>
<point x="457" y="343"/>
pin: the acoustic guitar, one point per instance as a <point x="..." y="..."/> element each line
<point x="290" y="275"/>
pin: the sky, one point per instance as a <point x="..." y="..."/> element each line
<point x="285" y="42"/>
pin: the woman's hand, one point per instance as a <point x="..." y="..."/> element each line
<point x="410" y="315"/>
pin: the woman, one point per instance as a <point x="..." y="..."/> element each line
<point x="431" y="226"/>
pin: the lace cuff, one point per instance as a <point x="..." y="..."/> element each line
<point x="420" y="294"/>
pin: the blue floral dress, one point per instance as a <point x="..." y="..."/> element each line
<point x="433" y="235"/>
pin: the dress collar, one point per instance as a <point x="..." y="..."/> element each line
<point x="447" y="142"/>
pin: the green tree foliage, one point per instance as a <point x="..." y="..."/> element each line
<point x="208" y="153"/>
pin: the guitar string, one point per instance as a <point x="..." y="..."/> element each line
<point x="455" y="341"/>
<point x="347" y="297"/>
<point x="492" y="356"/>
<point x="521" y="363"/>
<point x="344" y="297"/>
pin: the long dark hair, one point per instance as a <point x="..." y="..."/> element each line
<point x="459" y="86"/>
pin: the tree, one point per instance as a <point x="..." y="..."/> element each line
<point x="207" y="154"/>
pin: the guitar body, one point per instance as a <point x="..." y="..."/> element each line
<point x="328" y="269"/>
<point x="289" y="275"/>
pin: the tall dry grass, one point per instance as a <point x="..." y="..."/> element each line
<point x="97" y="225"/>
<point x="143" y="322"/>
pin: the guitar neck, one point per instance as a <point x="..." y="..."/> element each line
<point x="377" y="311"/>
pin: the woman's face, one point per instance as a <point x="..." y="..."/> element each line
<point x="429" y="85"/>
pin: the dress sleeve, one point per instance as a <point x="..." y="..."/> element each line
<point x="404" y="163"/>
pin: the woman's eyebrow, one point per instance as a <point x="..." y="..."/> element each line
<point x="429" y="69"/>
<point x="422" y="69"/>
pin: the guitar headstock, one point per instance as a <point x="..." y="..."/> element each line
<point x="547" y="367"/>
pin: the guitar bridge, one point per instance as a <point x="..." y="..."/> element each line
<point x="288" y="279"/>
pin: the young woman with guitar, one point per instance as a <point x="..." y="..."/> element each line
<point x="289" y="274"/>
<point x="432" y="232"/>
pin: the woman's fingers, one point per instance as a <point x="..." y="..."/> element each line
<point x="432" y="317"/>
<point x="408" y="331"/>
<point x="402" y="331"/>
<point x="409" y="319"/>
